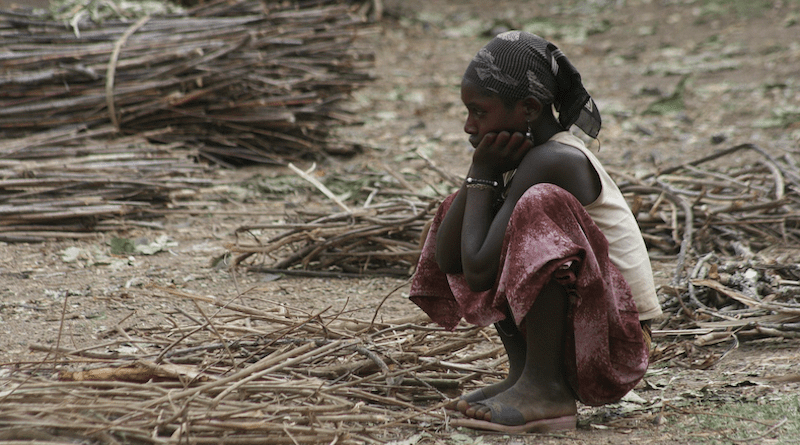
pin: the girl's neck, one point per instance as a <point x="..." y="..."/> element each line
<point x="544" y="128"/>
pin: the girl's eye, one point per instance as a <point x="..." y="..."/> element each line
<point x="477" y="112"/>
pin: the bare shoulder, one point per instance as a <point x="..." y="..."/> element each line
<point x="559" y="164"/>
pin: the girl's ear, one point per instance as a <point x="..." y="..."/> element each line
<point x="533" y="108"/>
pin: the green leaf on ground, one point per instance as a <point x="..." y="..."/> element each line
<point x="674" y="103"/>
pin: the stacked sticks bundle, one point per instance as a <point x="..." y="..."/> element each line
<point x="102" y="121"/>
<point x="75" y="184"/>
<point x="246" y="81"/>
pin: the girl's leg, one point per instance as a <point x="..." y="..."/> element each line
<point x="541" y="391"/>
<point x="514" y="343"/>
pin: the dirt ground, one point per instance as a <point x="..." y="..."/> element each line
<point x="741" y="61"/>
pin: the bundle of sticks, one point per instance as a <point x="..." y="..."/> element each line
<point x="242" y="372"/>
<point x="245" y="81"/>
<point x="747" y="200"/>
<point x="732" y="221"/>
<point x="75" y="184"/>
<point x="379" y="236"/>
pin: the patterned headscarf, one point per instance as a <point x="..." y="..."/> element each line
<point x="517" y="64"/>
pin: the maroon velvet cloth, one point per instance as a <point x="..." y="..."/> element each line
<point x="550" y="236"/>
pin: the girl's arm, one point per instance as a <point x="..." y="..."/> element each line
<point x="482" y="230"/>
<point x="482" y="238"/>
<point x="448" y="238"/>
<point x="482" y="234"/>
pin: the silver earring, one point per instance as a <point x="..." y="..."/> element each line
<point x="529" y="134"/>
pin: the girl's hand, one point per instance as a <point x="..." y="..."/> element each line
<point x="498" y="153"/>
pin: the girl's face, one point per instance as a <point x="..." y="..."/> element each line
<point x="486" y="113"/>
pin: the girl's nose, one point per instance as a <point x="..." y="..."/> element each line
<point x="470" y="127"/>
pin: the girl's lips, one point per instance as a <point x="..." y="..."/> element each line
<point x="474" y="141"/>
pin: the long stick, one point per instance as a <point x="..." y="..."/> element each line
<point x="320" y="186"/>
<point x="112" y="68"/>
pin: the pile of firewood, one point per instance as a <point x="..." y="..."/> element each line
<point x="87" y="183"/>
<point x="246" y="374"/>
<point x="244" y="81"/>
<point x="101" y="121"/>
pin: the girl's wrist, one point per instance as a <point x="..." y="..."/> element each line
<point x="482" y="173"/>
<point x="481" y="183"/>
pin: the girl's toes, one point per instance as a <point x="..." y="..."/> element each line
<point x="462" y="406"/>
<point x="479" y="412"/>
<point x="471" y="412"/>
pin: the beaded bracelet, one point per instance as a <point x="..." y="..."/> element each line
<point x="489" y="182"/>
<point x="480" y="186"/>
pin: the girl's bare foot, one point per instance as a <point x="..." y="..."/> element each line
<point x="541" y="391"/>
<point x="515" y="345"/>
<point x="465" y="401"/>
<point x="525" y="402"/>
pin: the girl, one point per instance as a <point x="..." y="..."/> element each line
<point x="539" y="241"/>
